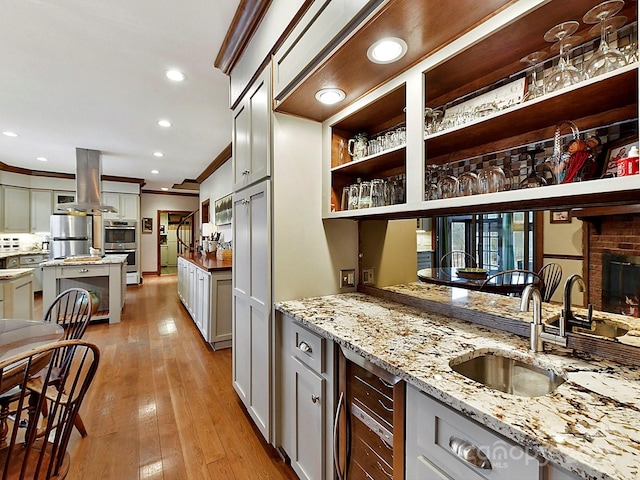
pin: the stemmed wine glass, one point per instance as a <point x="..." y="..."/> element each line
<point x="605" y="59"/>
<point x="431" y="120"/>
<point x="535" y="90"/>
<point x="533" y="180"/>
<point x="563" y="74"/>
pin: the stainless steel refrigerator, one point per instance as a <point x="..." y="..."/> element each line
<point x="71" y="235"/>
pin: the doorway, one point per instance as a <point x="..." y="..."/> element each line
<point x="168" y="221"/>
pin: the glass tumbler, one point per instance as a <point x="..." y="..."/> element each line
<point x="354" y="193"/>
<point x="364" y="199"/>
<point x="377" y="193"/>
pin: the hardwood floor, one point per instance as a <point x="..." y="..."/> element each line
<point x="162" y="405"/>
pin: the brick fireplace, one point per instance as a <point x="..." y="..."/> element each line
<point x="616" y="239"/>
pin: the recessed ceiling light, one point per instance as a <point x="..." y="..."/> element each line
<point x="42" y="159"/>
<point x="175" y="75"/>
<point x="387" y="50"/>
<point x="329" y="96"/>
<point x="164" y="189"/>
<point x="155" y="172"/>
<point x="164" y="123"/>
<point x="158" y="154"/>
<point x="9" y="134"/>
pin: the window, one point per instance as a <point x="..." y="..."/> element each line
<point x="498" y="241"/>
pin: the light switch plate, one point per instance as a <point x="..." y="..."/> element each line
<point x="347" y="278"/>
<point x="367" y="276"/>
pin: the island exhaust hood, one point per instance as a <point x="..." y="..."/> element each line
<point x="88" y="184"/>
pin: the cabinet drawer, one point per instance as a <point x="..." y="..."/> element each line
<point x="30" y="260"/>
<point x="435" y="432"/>
<point x="80" y="271"/>
<point x="12" y="262"/>
<point x="308" y="347"/>
<point x="367" y="443"/>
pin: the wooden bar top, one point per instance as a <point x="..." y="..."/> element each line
<point x="207" y="262"/>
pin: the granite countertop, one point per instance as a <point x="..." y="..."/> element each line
<point x="588" y="425"/>
<point x="11" y="273"/>
<point x="106" y="260"/>
<point x="22" y="253"/>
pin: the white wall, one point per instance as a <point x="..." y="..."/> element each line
<point x="150" y="203"/>
<point x="564" y="239"/>
<point x="307" y="252"/>
<point x="218" y="185"/>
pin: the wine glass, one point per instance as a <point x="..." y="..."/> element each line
<point x="431" y="120"/>
<point x="448" y="185"/>
<point x="605" y="59"/>
<point x="491" y="179"/>
<point x="535" y="90"/>
<point x="432" y="189"/>
<point x="563" y="74"/>
<point x="467" y="184"/>
<point x="533" y="180"/>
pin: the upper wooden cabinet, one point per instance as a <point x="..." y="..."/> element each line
<point x="485" y="58"/>
<point x="252" y="134"/>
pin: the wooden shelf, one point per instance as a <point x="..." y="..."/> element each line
<point x="617" y="90"/>
<point x="373" y="164"/>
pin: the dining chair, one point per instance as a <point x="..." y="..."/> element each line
<point x="59" y="375"/>
<point x="457" y="259"/>
<point x="71" y="309"/>
<point x="511" y="282"/>
<point x="551" y="275"/>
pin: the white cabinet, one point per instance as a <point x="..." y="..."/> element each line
<point x="442" y="443"/>
<point x="321" y="26"/>
<point x="306" y="365"/>
<point x="125" y="203"/>
<point x="41" y="210"/>
<point x="252" y="134"/>
<point x="33" y="261"/>
<point x="207" y="297"/>
<point x="16" y="203"/>
<point x="16" y="297"/>
<point x="252" y="302"/>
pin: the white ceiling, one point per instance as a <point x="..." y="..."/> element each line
<point x="91" y="74"/>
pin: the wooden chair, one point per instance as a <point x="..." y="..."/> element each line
<point x="72" y="310"/>
<point x="511" y="282"/>
<point x="457" y="259"/>
<point x="59" y="375"/>
<point x="551" y="275"/>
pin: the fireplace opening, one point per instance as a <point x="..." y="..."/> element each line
<point x="620" y="284"/>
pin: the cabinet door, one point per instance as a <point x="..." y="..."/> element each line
<point x="204" y="295"/>
<point x="113" y="200"/>
<point x="252" y="302"/>
<point x="16" y="210"/>
<point x="306" y="396"/>
<point x="180" y="278"/>
<point x="41" y="210"/>
<point x="251" y="134"/>
<point x="128" y="207"/>
<point x="191" y="288"/>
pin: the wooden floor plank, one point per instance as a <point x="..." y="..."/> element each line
<point x="162" y="405"/>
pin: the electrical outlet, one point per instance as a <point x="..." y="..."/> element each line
<point x="347" y="278"/>
<point x="367" y="276"/>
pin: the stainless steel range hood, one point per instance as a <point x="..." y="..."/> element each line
<point x="88" y="184"/>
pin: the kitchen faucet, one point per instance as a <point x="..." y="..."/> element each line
<point x="538" y="336"/>
<point x="567" y="315"/>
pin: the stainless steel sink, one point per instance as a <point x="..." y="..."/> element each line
<point x="508" y="375"/>
<point x="599" y="328"/>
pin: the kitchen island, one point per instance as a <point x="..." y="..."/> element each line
<point x="105" y="275"/>
<point x="586" y="426"/>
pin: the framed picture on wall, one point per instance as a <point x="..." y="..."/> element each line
<point x="223" y="210"/>
<point x="147" y="225"/>
<point x="560" y="216"/>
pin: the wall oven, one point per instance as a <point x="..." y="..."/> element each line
<point x="120" y="237"/>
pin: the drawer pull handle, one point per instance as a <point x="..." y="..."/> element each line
<point x="304" y="347"/>
<point x="379" y="465"/>
<point x="83" y="270"/>
<point x="386" y="384"/>
<point x="315" y="398"/>
<point x="384" y="406"/>
<point x="470" y="453"/>
<point x="246" y="172"/>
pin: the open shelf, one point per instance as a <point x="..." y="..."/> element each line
<point x="372" y="164"/>
<point x="581" y="103"/>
